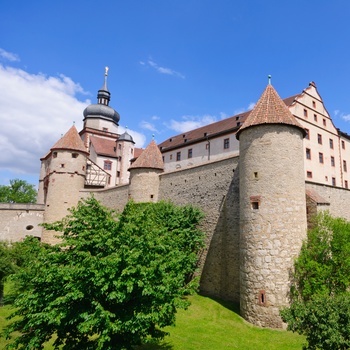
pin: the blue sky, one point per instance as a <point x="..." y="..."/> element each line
<point x="173" y="65"/>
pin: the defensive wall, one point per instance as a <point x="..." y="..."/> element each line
<point x="18" y="220"/>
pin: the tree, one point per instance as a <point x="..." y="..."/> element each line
<point x="6" y="266"/>
<point x="320" y="307"/>
<point x="19" y="191"/>
<point x="113" y="283"/>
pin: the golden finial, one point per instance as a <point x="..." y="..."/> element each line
<point x="106" y="71"/>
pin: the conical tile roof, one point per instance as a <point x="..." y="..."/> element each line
<point x="151" y="157"/>
<point x="71" y="140"/>
<point x="270" y="109"/>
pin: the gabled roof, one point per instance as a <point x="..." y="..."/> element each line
<point x="212" y="130"/>
<point x="270" y="109"/>
<point x="102" y="146"/>
<point x="149" y="158"/>
<point x="70" y="141"/>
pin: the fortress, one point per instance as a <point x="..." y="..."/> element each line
<point x="258" y="176"/>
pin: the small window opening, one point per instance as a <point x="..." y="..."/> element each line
<point x="255" y="175"/>
<point x="29" y="227"/>
<point x="255" y="205"/>
<point x="152" y="196"/>
<point x="54" y="154"/>
<point x="62" y="165"/>
<point x="262" y="298"/>
<point x="75" y="155"/>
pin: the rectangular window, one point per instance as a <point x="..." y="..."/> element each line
<point x="226" y="143"/>
<point x="178" y="156"/>
<point x="343" y="144"/>
<point x="320" y="157"/>
<point x="307" y="136"/>
<point x="308" y="153"/>
<point x="105" y="129"/>
<point x="315" y="117"/>
<point x="118" y="173"/>
<point x="331" y="143"/>
<point x="319" y="139"/>
<point x="190" y="153"/>
<point x="333" y="181"/>
<point x="207" y="146"/>
<point x="171" y="157"/>
<point x="107" y="165"/>
<point x="345" y="167"/>
<point x="305" y="113"/>
<point x="346" y="184"/>
<point x="332" y="161"/>
<point x="313" y="104"/>
<point x="324" y="122"/>
<point x="309" y="174"/>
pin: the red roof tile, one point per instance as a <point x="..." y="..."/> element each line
<point x="71" y="140"/>
<point x="149" y="158"/>
<point x="270" y="109"/>
<point x="102" y="146"/>
<point x="211" y="130"/>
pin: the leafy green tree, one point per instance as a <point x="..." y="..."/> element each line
<point x="114" y="283"/>
<point x="320" y="307"/>
<point x="19" y="191"/>
<point x="7" y="266"/>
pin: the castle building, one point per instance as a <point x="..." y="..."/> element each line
<point x="258" y="177"/>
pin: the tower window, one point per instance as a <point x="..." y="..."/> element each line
<point x="320" y="157"/>
<point x="308" y="153"/>
<point x="331" y="143"/>
<point x="262" y="298"/>
<point x="107" y="165"/>
<point x="75" y="155"/>
<point x="105" y="129"/>
<point x="54" y="155"/>
<point x="190" y="153"/>
<point x="226" y="143"/>
<point x="255" y="202"/>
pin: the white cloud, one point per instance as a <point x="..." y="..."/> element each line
<point x="243" y="109"/>
<point x="34" y="111"/>
<point x="154" y="117"/>
<point x="188" y="123"/>
<point x="338" y="113"/>
<point x="148" y="126"/>
<point x="8" y="56"/>
<point x="251" y="106"/>
<point x="346" y="117"/>
<point x="162" y="70"/>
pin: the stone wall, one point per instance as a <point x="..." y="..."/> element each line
<point x="338" y="198"/>
<point x="214" y="189"/>
<point x="19" y="220"/>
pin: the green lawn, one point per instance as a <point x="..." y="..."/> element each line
<point x="212" y="325"/>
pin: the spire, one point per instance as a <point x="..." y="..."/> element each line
<point x="103" y="95"/>
<point x="270" y="109"/>
<point x="70" y="141"/>
<point x="149" y="158"/>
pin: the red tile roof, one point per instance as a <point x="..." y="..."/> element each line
<point x="71" y="140"/>
<point x="149" y="158"/>
<point x="212" y="130"/>
<point x="270" y="109"/>
<point x="103" y="147"/>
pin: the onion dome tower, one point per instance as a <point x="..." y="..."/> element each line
<point x="62" y="177"/>
<point x="144" y="175"/>
<point x="272" y="207"/>
<point x="101" y="116"/>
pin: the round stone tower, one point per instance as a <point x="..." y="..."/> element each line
<point x="272" y="207"/>
<point x="62" y="177"/>
<point x="144" y="175"/>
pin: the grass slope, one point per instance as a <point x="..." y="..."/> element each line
<point x="210" y="324"/>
